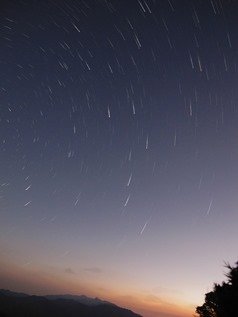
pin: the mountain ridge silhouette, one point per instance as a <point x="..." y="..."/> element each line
<point x="22" y="305"/>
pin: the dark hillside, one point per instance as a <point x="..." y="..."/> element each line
<point x="38" y="306"/>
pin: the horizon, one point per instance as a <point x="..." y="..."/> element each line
<point x="134" y="309"/>
<point x="118" y="150"/>
<point x="56" y="286"/>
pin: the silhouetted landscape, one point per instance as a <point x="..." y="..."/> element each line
<point x="14" y="304"/>
<point x="118" y="158"/>
<point x="222" y="301"/>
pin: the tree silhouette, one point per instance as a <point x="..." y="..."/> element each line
<point x="223" y="300"/>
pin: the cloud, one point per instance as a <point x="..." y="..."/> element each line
<point x="95" y="270"/>
<point x="165" y="290"/>
<point x="154" y="299"/>
<point x="68" y="270"/>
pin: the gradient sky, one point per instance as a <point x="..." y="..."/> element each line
<point x="119" y="149"/>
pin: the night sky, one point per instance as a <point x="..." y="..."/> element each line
<point x="119" y="149"/>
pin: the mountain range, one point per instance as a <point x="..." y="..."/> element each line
<point x="13" y="304"/>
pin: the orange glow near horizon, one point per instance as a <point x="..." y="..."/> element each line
<point x="118" y="150"/>
<point x="37" y="282"/>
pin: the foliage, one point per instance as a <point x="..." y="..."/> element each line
<point x="223" y="300"/>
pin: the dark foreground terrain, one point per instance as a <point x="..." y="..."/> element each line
<point x="22" y="305"/>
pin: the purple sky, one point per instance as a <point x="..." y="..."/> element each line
<point x="118" y="149"/>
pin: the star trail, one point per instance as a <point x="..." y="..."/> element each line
<point x="118" y="149"/>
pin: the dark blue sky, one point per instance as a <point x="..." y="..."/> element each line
<point x="118" y="146"/>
